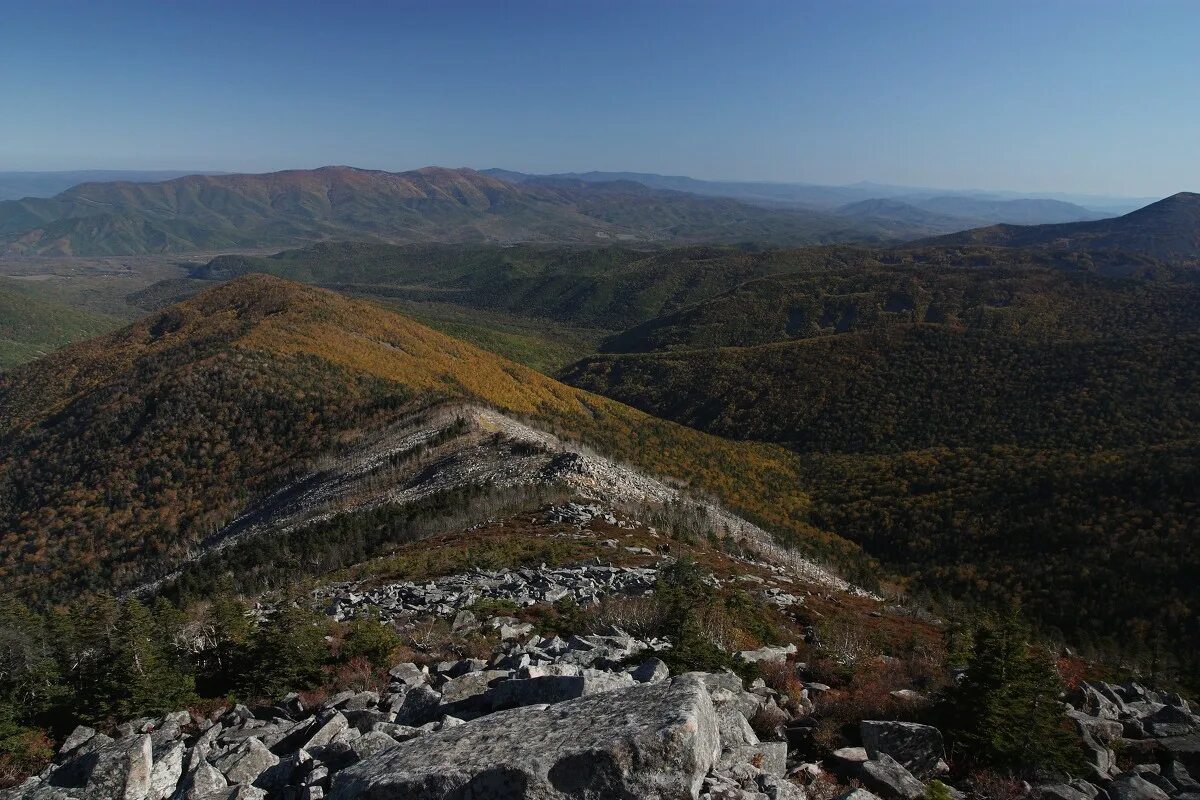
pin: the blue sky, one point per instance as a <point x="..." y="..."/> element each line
<point x="1053" y="95"/>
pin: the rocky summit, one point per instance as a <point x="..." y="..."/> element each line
<point x="584" y="717"/>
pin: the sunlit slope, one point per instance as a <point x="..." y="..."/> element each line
<point x="120" y="452"/>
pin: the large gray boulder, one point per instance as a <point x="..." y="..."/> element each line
<point x="1185" y="749"/>
<point x="1170" y="721"/>
<point x="250" y="760"/>
<point x="166" y="772"/>
<point x="918" y="748"/>
<point x="555" y="688"/>
<point x="201" y="781"/>
<point x="648" y="741"/>
<point x="1059" y="791"/>
<point x="1131" y="786"/>
<point x="116" y="771"/>
<point x="887" y="778"/>
<point x="420" y="706"/>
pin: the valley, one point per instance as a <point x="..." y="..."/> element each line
<point x="816" y="466"/>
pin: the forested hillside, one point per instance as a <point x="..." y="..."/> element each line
<point x="31" y="326"/>
<point x="1168" y="229"/>
<point x="433" y="204"/>
<point x="1017" y="432"/>
<point x="119" y="453"/>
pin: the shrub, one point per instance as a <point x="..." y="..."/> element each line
<point x="936" y="790"/>
<point x="23" y="750"/>
<point x="368" y="638"/>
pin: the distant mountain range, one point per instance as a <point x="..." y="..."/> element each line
<point x="16" y="185"/>
<point x="295" y="207"/>
<point x="1168" y="229"/>
<point x="993" y="206"/>
<point x="209" y="212"/>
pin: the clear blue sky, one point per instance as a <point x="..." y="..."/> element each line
<point x="1051" y="95"/>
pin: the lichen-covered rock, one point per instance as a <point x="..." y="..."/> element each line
<point x="247" y="762"/>
<point x="119" y="770"/>
<point x="918" y="748"/>
<point x="166" y="772"/>
<point x="555" y="688"/>
<point x="887" y="778"/>
<point x="1134" y="787"/>
<point x="648" y="741"/>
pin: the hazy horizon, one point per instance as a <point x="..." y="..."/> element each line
<point x="865" y="184"/>
<point x="1066" y="97"/>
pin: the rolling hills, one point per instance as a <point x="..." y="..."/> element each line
<point x="213" y="212"/>
<point x="1168" y="229"/>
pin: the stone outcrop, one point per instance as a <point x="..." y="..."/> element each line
<point x="650" y="741"/>
<point x="542" y="718"/>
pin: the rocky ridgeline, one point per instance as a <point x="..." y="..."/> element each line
<point x="585" y="584"/>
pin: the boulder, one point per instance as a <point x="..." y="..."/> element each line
<point x="78" y="738"/>
<point x="420" y="705"/>
<point x="1098" y="755"/>
<point x="768" y="654"/>
<point x="118" y="770"/>
<point x="465" y="691"/>
<point x="845" y="762"/>
<point x="204" y="780"/>
<point x="1179" y="775"/>
<point x="554" y="688"/>
<point x="165" y="773"/>
<point x="244" y="764"/>
<point x="1132" y="786"/>
<point x="918" y="748"/>
<point x="1059" y="791"/>
<point x="409" y="674"/>
<point x="371" y="743"/>
<point x="333" y="726"/>
<point x="648" y="741"/>
<point x="887" y="778"/>
<point x="857" y="794"/>
<point x="1185" y="749"/>
<point x="1170" y="721"/>
<point x="734" y="728"/>
<point x="651" y="670"/>
<point x="778" y="788"/>
<point x="770" y="757"/>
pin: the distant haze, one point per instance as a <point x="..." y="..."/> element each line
<point x="1035" y="97"/>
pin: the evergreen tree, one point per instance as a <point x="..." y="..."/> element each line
<point x="1006" y="713"/>
<point x="287" y="652"/>
<point x="224" y="658"/>
<point x="144" y="677"/>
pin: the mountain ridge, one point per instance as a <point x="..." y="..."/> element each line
<point x="212" y="212"/>
<point x="1168" y="229"/>
<point x="227" y="396"/>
